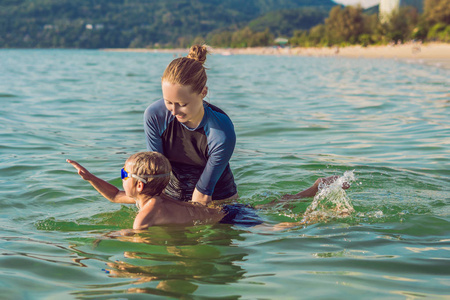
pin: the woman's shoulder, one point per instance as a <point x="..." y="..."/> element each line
<point x="214" y="109"/>
<point x="217" y="115"/>
<point x="157" y="107"/>
<point x="219" y="129"/>
<point x="157" y="114"/>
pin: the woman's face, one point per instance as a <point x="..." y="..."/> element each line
<point x="185" y="105"/>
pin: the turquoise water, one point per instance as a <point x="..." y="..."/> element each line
<point x="296" y="119"/>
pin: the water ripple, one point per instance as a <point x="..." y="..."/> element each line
<point x="296" y="119"/>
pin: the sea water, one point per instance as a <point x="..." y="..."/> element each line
<point x="383" y="121"/>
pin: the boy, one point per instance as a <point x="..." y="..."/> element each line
<point x="144" y="178"/>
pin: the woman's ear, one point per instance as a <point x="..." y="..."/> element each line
<point x="204" y="91"/>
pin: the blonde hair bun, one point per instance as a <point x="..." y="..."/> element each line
<point x="189" y="70"/>
<point x="198" y="53"/>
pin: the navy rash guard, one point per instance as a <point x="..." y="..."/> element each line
<point x="199" y="156"/>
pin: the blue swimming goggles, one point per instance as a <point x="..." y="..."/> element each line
<point x="125" y="175"/>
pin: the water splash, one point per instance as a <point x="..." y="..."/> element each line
<point x="331" y="201"/>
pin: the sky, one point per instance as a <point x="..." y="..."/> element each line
<point x="364" y="3"/>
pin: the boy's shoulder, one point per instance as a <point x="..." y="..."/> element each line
<point x="147" y="215"/>
<point x="159" y="210"/>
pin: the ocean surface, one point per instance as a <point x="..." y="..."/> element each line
<point x="386" y="122"/>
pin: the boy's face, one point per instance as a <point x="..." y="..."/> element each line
<point x="128" y="183"/>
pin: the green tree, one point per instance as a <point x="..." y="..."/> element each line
<point x="439" y="32"/>
<point x="437" y="11"/>
<point x="240" y="38"/>
<point x="344" y="24"/>
<point x="300" y="38"/>
<point x="220" y="39"/>
<point x="284" y="22"/>
<point x="260" y="39"/>
<point x="436" y="20"/>
<point x="401" y="24"/>
<point x="318" y="35"/>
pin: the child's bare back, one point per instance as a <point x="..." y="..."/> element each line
<point x="163" y="210"/>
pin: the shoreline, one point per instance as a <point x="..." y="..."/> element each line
<point x="436" y="54"/>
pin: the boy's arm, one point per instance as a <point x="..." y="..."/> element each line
<point x="312" y="191"/>
<point x="309" y="192"/>
<point x="106" y="189"/>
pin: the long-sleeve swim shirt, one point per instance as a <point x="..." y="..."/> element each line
<point x="199" y="156"/>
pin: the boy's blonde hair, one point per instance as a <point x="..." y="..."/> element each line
<point x="151" y="163"/>
<point x="188" y="70"/>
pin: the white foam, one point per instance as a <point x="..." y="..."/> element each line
<point x="331" y="201"/>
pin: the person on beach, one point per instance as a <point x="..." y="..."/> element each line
<point x="198" y="138"/>
<point x="145" y="175"/>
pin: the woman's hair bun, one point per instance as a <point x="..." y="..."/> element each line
<point x="198" y="53"/>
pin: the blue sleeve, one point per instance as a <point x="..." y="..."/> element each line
<point x="221" y="143"/>
<point x="155" y="117"/>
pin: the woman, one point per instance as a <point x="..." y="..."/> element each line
<point x="198" y="138"/>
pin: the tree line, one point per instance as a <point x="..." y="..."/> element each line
<point x="350" y="25"/>
<point x="219" y="23"/>
<point x="129" y="23"/>
<point x="263" y="30"/>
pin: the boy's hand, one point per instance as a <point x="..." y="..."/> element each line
<point x="85" y="174"/>
<point x="330" y="180"/>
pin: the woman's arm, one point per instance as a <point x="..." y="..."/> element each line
<point x="106" y="189"/>
<point x="154" y="125"/>
<point x="221" y="142"/>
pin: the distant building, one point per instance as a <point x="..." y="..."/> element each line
<point x="281" y="41"/>
<point x="387" y="8"/>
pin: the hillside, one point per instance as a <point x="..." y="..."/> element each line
<point x="134" y="23"/>
<point x="285" y="22"/>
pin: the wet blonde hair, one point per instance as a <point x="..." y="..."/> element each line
<point x="188" y="70"/>
<point x="151" y="163"/>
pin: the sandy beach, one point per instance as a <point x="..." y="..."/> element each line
<point x="437" y="54"/>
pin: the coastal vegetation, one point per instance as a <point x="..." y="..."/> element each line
<point x="133" y="23"/>
<point x="351" y="25"/>
<point x="220" y="23"/>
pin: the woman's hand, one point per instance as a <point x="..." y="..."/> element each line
<point x="82" y="171"/>
<point x="199" y="197"/>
